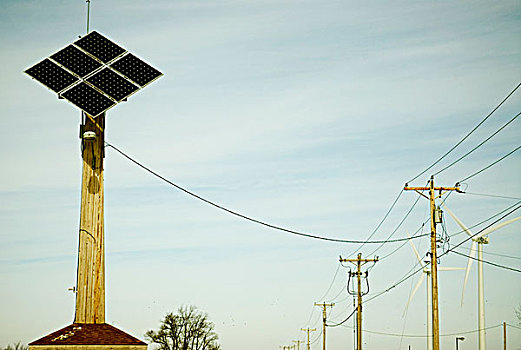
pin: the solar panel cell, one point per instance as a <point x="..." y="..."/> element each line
<point x="51" y="75"/>
<point x="112" y="84"/>
<point x="76" y="61"/>
<point x="136" y="70"/>
<point x="88" y="99"/>
<point x="100" y="47"/>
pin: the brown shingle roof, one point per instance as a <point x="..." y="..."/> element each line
<point x="88" y="334"/>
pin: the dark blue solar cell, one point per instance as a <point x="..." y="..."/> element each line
<point x="76" y="61"/>
<point x="51" y="75"/>
<point x="88" y="99"/>
<point x="136" y="70"/>
<point x="100" y="47"/>
<point x="112" y="84"/>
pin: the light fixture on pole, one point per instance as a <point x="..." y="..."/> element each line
<point x="457" y="340"/>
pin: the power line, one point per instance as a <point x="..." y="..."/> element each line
<point x="380" y="223"/>
<point x="490" y="165"/>
<point x="466" y="136"/>
<point x="478" y="146"/>
<point x="341" y="323"/>
<point x="425" y="336"/>
<point x="488" y="262"/>
<point x="410" y="274"/>
<point x="492" y="195"/>
<point x="275" y="227"/>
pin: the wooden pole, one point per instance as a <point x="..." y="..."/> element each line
<point x="90" y="285"/>
<point x="434" y="257"/>
<point x="504" y="336"/>
<point x="324" y="316"/>
<point x="434" y="272"/>
<point x="359" y="263"/>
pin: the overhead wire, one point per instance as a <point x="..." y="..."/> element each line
<point x="476" y="147"/>
<point x="488" y="262"/>
<point x="410" y="274"/>
<point x="492" y="195"/>
<point x="248" y="218"/>
<point x="466" y="136"/>
<point x="491" y="165"/>
<point x="426" y="336"/>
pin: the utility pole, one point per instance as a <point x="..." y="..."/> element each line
<point x="359" y="262"/>
<point x="324" y="316"/>
<point x="435" y="218"/>
<point x="298" y="343"/>
<point x="308" y="330"/>
<point x="504" y="336"/>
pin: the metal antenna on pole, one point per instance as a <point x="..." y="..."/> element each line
<point x="88" y="15"/>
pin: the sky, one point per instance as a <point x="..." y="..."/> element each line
<point x="309" y="115"/>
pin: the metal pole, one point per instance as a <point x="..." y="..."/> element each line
<point x="481" y="298"/>
<point x="88" y="15"/>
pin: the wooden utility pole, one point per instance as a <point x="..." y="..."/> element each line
<point x="308" y="330"/>
<point x="435" y="218"/>
<point x="504" y="336"/>
<point x="324" y="317"/>
<point x="359" y="262"/>
<point x="90" y="284"/>
<point x="298" y="344"/>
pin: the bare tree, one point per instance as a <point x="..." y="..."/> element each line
<point x="189" y="329"/>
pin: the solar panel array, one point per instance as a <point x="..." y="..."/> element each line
<point x="94" y="73"/>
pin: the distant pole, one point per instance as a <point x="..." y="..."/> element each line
<point x="324" y="316"/>
<point x="298" y="344"/>
<point x="308" y="330"/>
<point x="359" y="262"/>
<point x="504" y="336"/>
<point x="435" y="218"/>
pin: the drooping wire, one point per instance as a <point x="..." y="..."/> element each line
<point x="478" y="146"/>
<point x="379" y="224"/>
<point x="488" y="262"/>
<point x="410" y="274"/>
<point x="397" y="227"/>
<point x="466" y="136"/>
<point x="425" y="336"/>
<point x="490" y="165"/>
<point x="341" y="323"/>
<point x="275" y="227"/>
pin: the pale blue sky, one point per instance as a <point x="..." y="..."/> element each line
<point x="306" y="114"/>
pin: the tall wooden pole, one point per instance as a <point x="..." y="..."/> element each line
<point x="435" y="218"/>
<point x="359" y="262"/>
<point x="324" y="317"/>
<point x="434" y="272"/>
<point x="308" y="330"/>
<point x="90" y="285"/>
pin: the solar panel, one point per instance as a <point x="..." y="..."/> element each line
<point x="112" y="84"/>
<point x="136" y="70"/>
<point x="88" y="99"/>
<point x="76" y="61"/>
<point x="51" y="75"/>
<point x="100" y="47"/>
<point x="93" y="73"/>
